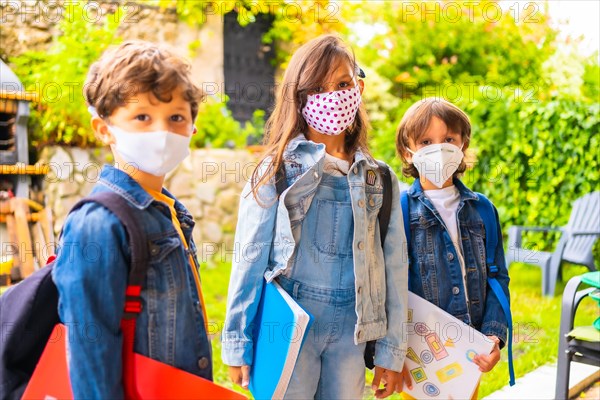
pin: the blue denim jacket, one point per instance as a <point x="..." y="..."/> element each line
<point x="267" y="235"/>
<point x="91" y="274"/>
<point x="435" y="273"/>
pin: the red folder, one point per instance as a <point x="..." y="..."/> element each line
<point x="153" y="379"/>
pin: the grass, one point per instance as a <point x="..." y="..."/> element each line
<point x="536" y="322"/>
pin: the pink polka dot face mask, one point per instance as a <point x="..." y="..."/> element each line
<point x="332" y="112"/>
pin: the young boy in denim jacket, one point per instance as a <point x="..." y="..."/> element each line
<point x="447" y="255"/>
<point x="143" y="104"/>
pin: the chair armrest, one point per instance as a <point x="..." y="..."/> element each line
<point x="537" y="228"/>
<point x="581" y="233"/>
<point x="570" y="301"/>
<point x="568" y="307"/>
<point x="515" y="233"/>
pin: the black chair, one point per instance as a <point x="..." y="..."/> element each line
<point x="572" y="347"/>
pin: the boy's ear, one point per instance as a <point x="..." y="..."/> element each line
<point x="101" y="131"/>
<point x="465" y="146"/>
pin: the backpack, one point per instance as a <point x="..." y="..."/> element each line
<point x="29" y="310"/>
<point x="486" y="211"/>
<point x="384" y="220"/>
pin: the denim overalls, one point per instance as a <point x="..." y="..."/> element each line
<point x="322" y="280"/>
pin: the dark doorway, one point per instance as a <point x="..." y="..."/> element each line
<point x="249" y="75"/>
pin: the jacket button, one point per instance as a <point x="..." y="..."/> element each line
<point x="361" y="203"/>
<point x="361" y="245"/>
<point x="316" y="174"/>
<point x="455" y="290"/>
<point x="450" y="256"/>
<point x="372" y="203"/>
<point x="355" y="170"/>
<point x="203" y="363"/>
<point x="198" y="306"/>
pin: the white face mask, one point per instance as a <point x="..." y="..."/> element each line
<point x="332" y="112"/>
<point x="155" y="152"/>
<point x="437" y="162"/>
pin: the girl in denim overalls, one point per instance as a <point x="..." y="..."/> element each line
<point x="447" y="248"/>
<point x="320" y="239"/>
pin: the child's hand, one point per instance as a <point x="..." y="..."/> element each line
<point x="486" y="363"/>
<point x="240" y="375"/>
<point x="390" y="380"/>
<point x="404" y="380"/>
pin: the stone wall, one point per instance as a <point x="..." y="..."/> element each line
<point x="30" y="25"/>
<point x="208" y="183"/>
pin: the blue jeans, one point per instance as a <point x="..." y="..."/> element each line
<point x="330" y="365"/>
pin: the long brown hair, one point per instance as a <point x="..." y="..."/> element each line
<point x="308" y="69"/>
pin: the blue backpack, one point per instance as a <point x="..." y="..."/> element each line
<point x="486" y="211"/>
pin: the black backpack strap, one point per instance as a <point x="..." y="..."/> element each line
<point x="384" y="216"/>
<point x="386" y="207"/>
<point x="280" y="179"/>
<point x="129" y="217"/>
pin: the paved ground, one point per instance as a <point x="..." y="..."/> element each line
<point x="540" y="383"/>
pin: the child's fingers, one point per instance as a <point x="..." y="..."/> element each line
<point x="390" y="379"/>
<point x="240" y="376"/>
<point x="377" y="378"/>
<point x="245" y="376"/>
<point x="235" y="374"/>
<point x="483" y="362"/>
<point x="385" y="392"/>
<point x="404" y="380"/>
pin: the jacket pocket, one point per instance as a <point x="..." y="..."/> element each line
<point x="160" y="246"/>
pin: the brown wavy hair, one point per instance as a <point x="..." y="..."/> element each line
<point x="138" y="66"/>
<point x="415" y="123"/>
<point x="309" y="68"/>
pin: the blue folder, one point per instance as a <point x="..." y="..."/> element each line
<point x="280" y="328"/>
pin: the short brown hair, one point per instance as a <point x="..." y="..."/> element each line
<point x="415" y="123"/>
<point x="137" y="67"/>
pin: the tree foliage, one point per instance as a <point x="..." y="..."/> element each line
<point x="56" y="76"/>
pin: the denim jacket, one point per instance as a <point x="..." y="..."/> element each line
<point x="266" y="238"/>
<point x="435" y="273"/>
<point x="91" y="273"/>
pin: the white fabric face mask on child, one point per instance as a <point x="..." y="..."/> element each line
<point x="332" y="112"/>
<point x="437" y="162"/>
<point x="156" y="153"/>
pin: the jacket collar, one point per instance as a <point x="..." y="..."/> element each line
<point x="318" y="150"/>
<point x="123" y="184"/>
<point x="416" y="190"/>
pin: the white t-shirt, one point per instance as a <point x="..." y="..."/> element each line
<point x="446" y="202"/>
<point x="335" y="166"/>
